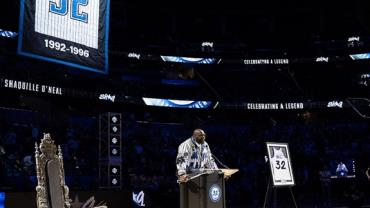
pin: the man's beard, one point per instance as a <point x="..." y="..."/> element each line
<point x="200" y="141"/>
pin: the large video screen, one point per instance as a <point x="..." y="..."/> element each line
<point x="70" y="32"/>
<point x="343" y="168"/>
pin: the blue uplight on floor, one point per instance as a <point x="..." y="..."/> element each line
<point x="2" y="200"/>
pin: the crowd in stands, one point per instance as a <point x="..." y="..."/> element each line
<point x="20" y="130"/>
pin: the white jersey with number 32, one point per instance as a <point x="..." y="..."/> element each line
<point x="280" y="165"/>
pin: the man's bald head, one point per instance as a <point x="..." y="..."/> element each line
<point x="199" y="136"/>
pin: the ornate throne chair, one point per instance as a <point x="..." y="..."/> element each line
<point x="51" y="189"/>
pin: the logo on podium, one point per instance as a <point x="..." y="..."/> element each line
<point x="215" y="193"/>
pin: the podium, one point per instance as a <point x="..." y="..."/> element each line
<point x="204" y="189"/>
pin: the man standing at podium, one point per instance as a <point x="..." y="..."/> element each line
<point x="194" y="155"/>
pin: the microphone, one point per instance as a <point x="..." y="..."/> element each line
<point x="223" y="165"/>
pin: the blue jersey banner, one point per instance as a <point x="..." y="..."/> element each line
<point x="70" y="32"/>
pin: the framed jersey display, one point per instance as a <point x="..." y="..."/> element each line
<point x="281" y="168"/>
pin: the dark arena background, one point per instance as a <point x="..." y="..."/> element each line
<point x="247" y="73"/>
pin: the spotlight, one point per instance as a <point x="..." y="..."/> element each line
<point x="114" y="119"/>
<point x="114" y="140"/>
<point x="114" y="170"/>
<point x="114" y="151"/>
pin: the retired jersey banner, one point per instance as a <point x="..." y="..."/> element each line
<point x="70" y="32"/>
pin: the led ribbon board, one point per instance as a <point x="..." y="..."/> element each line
<point x="360" y="56"/>
<point x="177" y="103"/>
<point x="7" y="34"/>
<point x="70" y="32"/>
<point x="179" y="59"/>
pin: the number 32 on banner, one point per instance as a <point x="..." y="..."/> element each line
<point x="63" y="8"/>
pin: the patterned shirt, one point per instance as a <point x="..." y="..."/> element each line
<point x="192" y="157"/>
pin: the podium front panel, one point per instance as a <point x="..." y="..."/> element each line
<point x="215" y="191"/>
<point x="190" y="194"/>
<point x="206" y="191"/>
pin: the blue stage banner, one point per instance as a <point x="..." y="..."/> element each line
<point x="70" y="32"/>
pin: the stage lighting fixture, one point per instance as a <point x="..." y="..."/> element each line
<point x="114" y="140"/>
<point x="114" y="170"/>
<point x="114" y="119"/>
<point x="114" y="181"/>
<point x="115" y="129"/>
<point x="114" y="151"/>
<point x="365" y="76"/>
